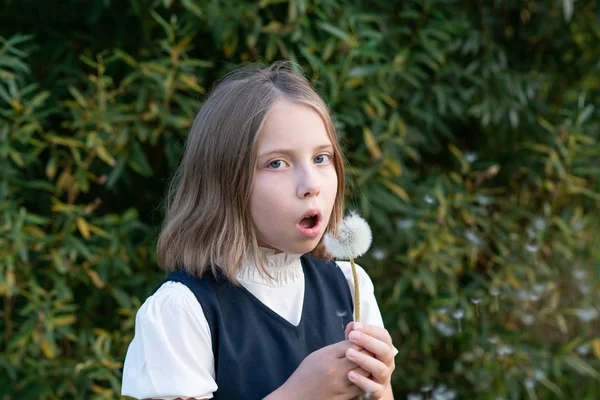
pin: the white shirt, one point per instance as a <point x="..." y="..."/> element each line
<point x="171" y="355"/>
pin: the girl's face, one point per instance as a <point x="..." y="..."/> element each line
<point x="295" y="181"/>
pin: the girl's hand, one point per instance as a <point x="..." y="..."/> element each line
<point x="378" y="342"/>
<point x="323" y="375"/>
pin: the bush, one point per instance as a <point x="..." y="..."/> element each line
<point x="470" y="130"/>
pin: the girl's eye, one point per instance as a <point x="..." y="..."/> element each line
<point x="322" y="158"/>
<point x="276" y="164"/>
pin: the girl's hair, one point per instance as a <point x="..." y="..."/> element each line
<point x="207" y="222"/>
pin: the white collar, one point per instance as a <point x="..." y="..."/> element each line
<point x="285" y="268"/>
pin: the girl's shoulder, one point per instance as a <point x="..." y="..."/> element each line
<point x="171" y="300"/>
<point x="171" y="334"/>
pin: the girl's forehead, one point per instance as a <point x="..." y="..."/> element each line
<point x="292" y="124"/>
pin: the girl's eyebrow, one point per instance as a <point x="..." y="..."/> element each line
<point x="327" y="146"/>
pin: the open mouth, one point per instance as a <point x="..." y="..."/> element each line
<point x="309" y="222"/>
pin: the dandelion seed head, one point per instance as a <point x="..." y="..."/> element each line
<point x="379" y="254"/>
<point x="470" y="157"/>
<point x="528" y="319"/>
<point x="505" y="350"/>
<point x="539" y="288"/>
<point x="584" y="288"/>
<point x="445" y="329"/>
<point x="429" y="199"/>
<point x="441" y="388"/>
<point x="473" y="238"/>
<point x="586" y="314"/>
<point x="529" y="384"/>
<point x="577" y="226"/>
<point x="539" y="374"/>
<point x="426" y="388"/>
<point x="493" y="340"/>
<point x="583" y="350"/>
<point x="532" y="247"/>
<point x="459" y="313"/>
<point x="404" y="224"/>
<point x="540" y="224"/>
<point x="484" y="200"/>
<point x="354" y="238"/>
<point x="579" y="274"/>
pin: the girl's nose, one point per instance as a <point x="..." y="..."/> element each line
<point x="308" y="184"/>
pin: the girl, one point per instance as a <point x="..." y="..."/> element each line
<point x="254" y="307"/>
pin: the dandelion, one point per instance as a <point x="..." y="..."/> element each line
<point x="505" y="350"/>
<point x="495" y="292"/>
<point x="493" y="340"/>
<point x="484" y="200"/>
<point x="426" y="388"/>
<point x="341" y="315"/>
<point x="470" y="157"/>
<point x="539" y="374"/>
<point x="579" y="274"/>
<point x="528" y="319"/>
<point x="539" y="288"/>
<point x="532" y="247"/>
<point x="353" y="240"/>
<point x="442" y="310"/>
<point x="577" y="226"/>
<point x="586" y="314"/>
<point x="583" y="350"/>
<point x="584" y="288"/>
<point x="458" y="315"/>
<point x="476" y="302"/>
<point x="530" y="384"/>
<point x="404" y="224"/>
<point x="473" y="238"/>
<point x="379" y="254"/>
<point x="444" y="328"/>
<point x="540" y="224"/>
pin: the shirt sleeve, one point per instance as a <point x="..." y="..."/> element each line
<point x="171" y="354"/>
<point x="369" y="309"/>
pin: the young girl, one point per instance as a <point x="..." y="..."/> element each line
<point x="254" y="307"/>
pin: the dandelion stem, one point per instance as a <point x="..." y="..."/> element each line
<point x="356" y="303"/>
<point x="356" y="292"/>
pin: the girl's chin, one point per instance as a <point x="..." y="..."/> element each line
<point x="306" y="246"/>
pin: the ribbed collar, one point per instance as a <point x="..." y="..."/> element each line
<point x="285" y="268"/>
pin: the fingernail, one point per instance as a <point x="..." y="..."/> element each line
<point x="354" y="335"/>
<point x="358" y="326"/>
<point x="350" y="353"/>
<point x="352" y="375"/>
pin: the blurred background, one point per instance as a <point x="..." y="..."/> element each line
<point x="472" y="134"/>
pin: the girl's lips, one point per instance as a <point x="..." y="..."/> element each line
<point x="310" y="232"/>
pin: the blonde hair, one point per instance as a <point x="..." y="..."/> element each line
<point x="207" y="222"/>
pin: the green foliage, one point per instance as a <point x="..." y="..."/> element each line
<point x="470" y="129"/>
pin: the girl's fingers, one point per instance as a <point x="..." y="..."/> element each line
<point x="349" y="328"/>
<point x="374" y="389"/>
<point x="379" y="370"/>
<point x="372" y="330"/>
<point x="381" y="350"/>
